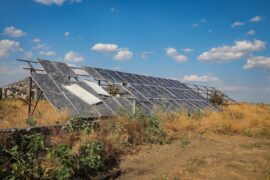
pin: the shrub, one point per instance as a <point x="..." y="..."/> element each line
<point x="216" y="99"/>
<point x="24" y="162"/>
<point x="90" y="157"/>
<point x="62" y="160"/>
<point x="80" y="124"/>
<point x="151" y="127"/>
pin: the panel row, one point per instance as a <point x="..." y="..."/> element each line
<point x="116" y="76"/>
<point x="62" y="99"/>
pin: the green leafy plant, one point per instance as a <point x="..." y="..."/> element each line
<point x="80" y="124"/>
<point x="24" y="161"/>
<point x="90" y="156"/>
<point x="152" y="127"/>
<point x="62" y="159"/>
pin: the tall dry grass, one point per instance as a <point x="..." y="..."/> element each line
<point x="14" y="112"/>
<point x="245" y="119"/>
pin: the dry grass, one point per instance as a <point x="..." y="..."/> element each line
<point x="245" y="119"/>
<point x="13" y="114"/>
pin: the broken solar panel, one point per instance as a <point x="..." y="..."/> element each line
<point x="146" y="93"/>
<point x="160" y="92"/>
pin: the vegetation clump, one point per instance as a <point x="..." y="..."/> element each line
<point x="216" y="99"/>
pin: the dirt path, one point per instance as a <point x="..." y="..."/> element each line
<point x="211" y="157"/>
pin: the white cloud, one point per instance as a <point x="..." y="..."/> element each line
<point x="188" y="50"/>
<point x="123" y="54"/>
<point x="251" y="32"/>
<point x="72" y="56"/>
<point x="8" y="46"/>
<point x="173" y="53"/>
<point x="210" y="31"/>
<point x="10" y="70"/>
<point x="105" y="48"/>
<point x="237" y="23"/>
<point x="11" y="73"/>
<point x="194" y="25"/>
<point x="66" y="34"/>
<point x="11" y="31"/>
<point x="56" y="2"/>
<point x="146" y="54"/>
<point x="47" y="53"/>
<point x="196" y="78"/>
<point x="226" y="53"/>
<point x="203" y="20"/>
<point x="197" y="24"/>
<point x="36" y="40"/>
<point x="256" y="19"/>
<point x="41" y="46"/>
<point x="28" y="54"/>
<point x="258" y="62"/>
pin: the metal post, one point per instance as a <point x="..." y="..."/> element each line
<point x="30" y="94"/>
<point x="133" y="106"/>
<point x="36" y="103"/>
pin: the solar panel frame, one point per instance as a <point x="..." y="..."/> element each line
<point x="45" y="83"/>
<point x="105" y="74"/>
<point x="65" y="69"/>
<point x="49" y="67"/>
<point x="94" y="73"/>
<point x="148" y="91"/>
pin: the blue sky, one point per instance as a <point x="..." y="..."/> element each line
<point x="224" y="44"/>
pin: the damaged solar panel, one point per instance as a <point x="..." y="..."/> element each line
<point x="107" y="92"/>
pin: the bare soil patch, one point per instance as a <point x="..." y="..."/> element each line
<point x="207" y="157"/>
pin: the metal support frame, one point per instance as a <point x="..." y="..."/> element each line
<point x="36" y="103"/>
<point x="31" y="71"/>
<point x="209" y="91"/>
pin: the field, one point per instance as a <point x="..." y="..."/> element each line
<point x="231" y="144"/>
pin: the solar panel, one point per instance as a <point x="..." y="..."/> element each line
<point x="46" y="83"/>
<point x="125" y="103"/>
<point x="147" y="93"/>
<point x="65" y="69"/>
<point x="61" y="102"/>
<point x="49" y="67"/>
<point x="93" y="73"/>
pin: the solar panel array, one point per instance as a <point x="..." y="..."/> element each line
<point x="152" y="92"/>
<point x="149" y="93"/>
<point x="52" y="85"/>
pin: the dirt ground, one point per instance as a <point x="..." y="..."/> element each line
<point x="206" y="157"/>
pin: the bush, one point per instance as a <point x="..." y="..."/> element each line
<point x="80" y="124"/>
<point x="90" y="157"/>
<point x="216" y="99"/>
<point x="62" y="160"/>
<point x="149" y="126"/>
<point x="24" y="162"/>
